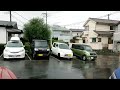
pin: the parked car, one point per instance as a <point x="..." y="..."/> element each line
<point x="62" y="50"/>
<point x="14" y="49"/>
<point x="14" y="39"/>
<point x="85" y="52"/>
<point x="40" y="48"/>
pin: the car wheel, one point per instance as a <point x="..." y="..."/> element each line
<point x="84" y="58"/>
<point x="59" y="55"/>
<point x="48" y="58"/>
<point x="4" y="58"/>
<point x="93" y="59"/>
<point x="70" y="59"/>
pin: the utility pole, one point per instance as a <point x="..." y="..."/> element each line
<point x="10" y="17"/>
<point x="108" y="16"/>
<point x="46" y="19"/>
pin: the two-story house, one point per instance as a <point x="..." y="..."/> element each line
<point x="61" y="33"/>
<point x="99" y="33"/>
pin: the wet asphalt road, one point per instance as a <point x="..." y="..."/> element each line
<point x="63" y="69"/>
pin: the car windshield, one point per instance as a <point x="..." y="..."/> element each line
<point x="63" y="46"/>
<point x="14" y="44"/>
<point x="41" y="44"/>
<point x="88" y="48"/>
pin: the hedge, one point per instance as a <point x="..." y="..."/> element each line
<point x="1" y="48"/>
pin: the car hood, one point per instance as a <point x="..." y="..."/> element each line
<point x="14" y="49"/>
<point x="65" y="51"/>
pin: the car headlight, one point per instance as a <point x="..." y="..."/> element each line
<point x="21" y="50"/>
<point x="6" y="50"/>
<point x="48" y="49"/>
<point x="36" y="49"/>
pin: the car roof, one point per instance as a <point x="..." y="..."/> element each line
<point x="15" y="38"/>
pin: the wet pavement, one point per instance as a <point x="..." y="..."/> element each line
<point x="63" y="69"/>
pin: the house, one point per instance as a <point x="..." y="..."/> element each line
<point x="61" y="33"/>
<point x="99" y="33"/>
<point x="7" y="30"/>
<point x="76" y="33"/>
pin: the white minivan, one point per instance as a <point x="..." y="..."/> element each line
<point x="14" y="49"/>
<point x="62" y="50"/>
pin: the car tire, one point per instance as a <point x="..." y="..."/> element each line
<point x="59" y="55"/>
<point x="48" y="58"/>
<point x="4" y="59"/>
<point x="70" y="59"/>
<point x="84" y="58"/>
<point x="93" y="59"/>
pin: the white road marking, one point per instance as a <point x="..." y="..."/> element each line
<point x="28" y="56"/>
<point x="56" y="58"/>
<point x="1" y="55"/>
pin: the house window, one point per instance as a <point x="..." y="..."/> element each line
<point x="99" y="39"/>
<point x="93" y="39"/>
<point x="111" y="28"/>
<point x="87" y="28"/>
<point x="83" y="41"/>
<point x="110" y="41"/>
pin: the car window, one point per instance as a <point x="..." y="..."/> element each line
<point x="76" y="46"/>
<point x="14" y="44"/>
<point x="41" y="44"/>
<point x="87" y="48"/>
<point x="63" y="46"/>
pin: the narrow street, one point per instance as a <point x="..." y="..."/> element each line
<point x="62" y="69"/>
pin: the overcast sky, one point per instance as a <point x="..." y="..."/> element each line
<point x="69" y="19"/>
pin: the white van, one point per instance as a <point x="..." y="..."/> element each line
<point x="15" y="39"/>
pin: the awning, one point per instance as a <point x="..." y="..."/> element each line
<point x="15" y="31"/>
<point x="104" y="33"/>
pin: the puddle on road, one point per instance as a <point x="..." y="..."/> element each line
<point x="100" y="69"/>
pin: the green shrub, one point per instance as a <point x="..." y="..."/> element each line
<point x="28" y="48"/>
<point x="1" y="48"/>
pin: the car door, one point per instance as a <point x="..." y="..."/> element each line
<point x="53" y="48"/>
<point x="56" y="49"/>
<point x="75" y="49"/>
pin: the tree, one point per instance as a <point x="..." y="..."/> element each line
<point x="36" y="29"/>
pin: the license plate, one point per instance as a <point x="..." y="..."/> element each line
<point x="40" y="54"/>
<point x="69" y="55"/>
<point x="12" y="55"/>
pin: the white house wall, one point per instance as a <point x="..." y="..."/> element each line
<point x="100" y="27"/>
<point x="75" y="33"/>
<point x="91" y="25"/>
<point x="2" y="35"/>
<point x="104" y="40"/>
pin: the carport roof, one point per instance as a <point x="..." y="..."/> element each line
<point x="15" y="31"/>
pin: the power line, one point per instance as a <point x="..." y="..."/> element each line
<point x="17" y="19"/>
<point x="98" y="17"/>
<point x="21" y="16"/>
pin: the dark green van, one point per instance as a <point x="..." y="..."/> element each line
<point x="85" y="52"/>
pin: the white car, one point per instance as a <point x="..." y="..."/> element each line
<point x="15" y="39"/>
<point x="62" y="50"/>
<point x="14" y="49"/>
